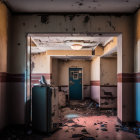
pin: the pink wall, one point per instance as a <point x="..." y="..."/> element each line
<point x="95" y="91"/>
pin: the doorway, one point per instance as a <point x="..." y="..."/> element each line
<point x="75" y="83"/>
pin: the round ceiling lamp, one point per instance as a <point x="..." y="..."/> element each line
<point x="76" y="46"/>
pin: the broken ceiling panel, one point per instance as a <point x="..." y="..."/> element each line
<point x="73" y="6"/>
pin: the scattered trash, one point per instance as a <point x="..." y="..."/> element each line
<point x="73" y="129"/>
<point x="60" y="124"/>
<point x="90" y="105"/>
<point x="104" y="129"/>
<point x="87" y="138"/>
<point x="97" y="105"/>
<point x="70" y="121"/>
<point x="84" y="131"/>
<point x="77" y="125"/>
<point x="102" y="125"/>
<point x="67" y="131"/>
<point x="71" y="116"/>
<point x="117" y="129"/>
<point x="117" y="125"/>
<point x="77" y="135"/>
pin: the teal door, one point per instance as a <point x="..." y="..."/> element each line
<point x="75" y="84"/>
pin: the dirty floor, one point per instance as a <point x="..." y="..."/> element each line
<point x="82" y="120"/>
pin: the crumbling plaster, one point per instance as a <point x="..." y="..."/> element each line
<point x="22" y="25"/>
<point x="108" y="71"/>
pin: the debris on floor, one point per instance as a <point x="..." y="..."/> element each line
<point x="82" y="120"/>
<point x="70" y="121"/>
<point x="104" y="129"/>
<point x="87" y="138"/>
<point x="77" y="125"/>
<point x="77" y="135"/>
<point x="84" y="131"/>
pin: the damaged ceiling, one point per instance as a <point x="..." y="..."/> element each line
<point x="73" y="6"/>
<point x="63" y="42"/>
<point x="73" y="57"/>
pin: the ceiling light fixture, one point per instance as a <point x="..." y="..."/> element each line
<point x="76" y="46"/>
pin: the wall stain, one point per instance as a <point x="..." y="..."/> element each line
<point x="44" y="19"/>
<point x="80" y="4"/>
<point x="71" y="17"/>
<point x="86" y="19"/>
<point x="74" y="29"/>
<point x="111" y="25"/>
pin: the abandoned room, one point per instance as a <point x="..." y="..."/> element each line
<point x="69" y="70"/>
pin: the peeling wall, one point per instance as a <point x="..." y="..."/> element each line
<point x="108" y="71"/>
<point x="64" y="70"/>
<point x="108" y="81"/>
<point x="60" y="75"/>
<point x="110" y="45"/>
<point x="40" y="63"/>
<point x="55" y="72"/>
<point x="24" y="24"/>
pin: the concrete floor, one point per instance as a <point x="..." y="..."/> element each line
<point x="94" y="130"/>
<point x="91" y="124"/>
<point x="80" y="118"/>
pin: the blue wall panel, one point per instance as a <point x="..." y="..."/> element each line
<point x="137" y="89"/>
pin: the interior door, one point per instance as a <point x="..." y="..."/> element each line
<point x="75" y="83"/>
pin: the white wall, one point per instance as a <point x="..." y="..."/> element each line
<point x="95" y="69"/>
<point x="95" y="79"/>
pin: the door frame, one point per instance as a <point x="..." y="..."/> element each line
<point x="82" y="80"/>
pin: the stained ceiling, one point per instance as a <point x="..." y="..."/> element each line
<point x="66" y="58"/>
<point x="62" y="42"/>
<point x="73" y="6"/>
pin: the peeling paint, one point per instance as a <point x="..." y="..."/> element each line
<point x="74" y="29"/>
<point x="86" y="19"/>
<point x="44" y="19"/>
<point x="110" y="24"/>
<point x="71" y="17"/>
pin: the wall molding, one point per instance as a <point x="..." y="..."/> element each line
<point x="35" y="77"/>
<point x="137" y="77"/>
<point x="108" y="85"/>
<point x="10" y="77"/>
<point x="95" y="83"/>
<point x="128" y="77"/>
